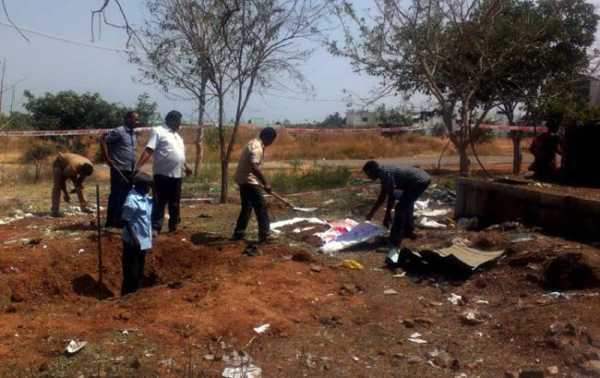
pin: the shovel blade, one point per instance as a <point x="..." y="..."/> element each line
<point x="305" y="209"/>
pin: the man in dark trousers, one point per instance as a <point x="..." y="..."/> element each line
<point x="167" y="148"/>
<point x="252" y="182"/>
<point x="118" y="149"/>
<point x="402" y="186"/>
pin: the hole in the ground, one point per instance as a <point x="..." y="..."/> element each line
<point x="87" y="286"/>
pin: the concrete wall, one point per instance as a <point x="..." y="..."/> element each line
<point x="494" y="203"/>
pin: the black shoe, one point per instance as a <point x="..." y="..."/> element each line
<point x="237" y="237"/>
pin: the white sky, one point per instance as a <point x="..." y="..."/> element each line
<point x="49" y="66"/>
<point x="45" y="65"/>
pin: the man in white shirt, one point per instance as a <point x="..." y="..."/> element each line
<point x="168" y="150"/>
<point x="252" y="183"/>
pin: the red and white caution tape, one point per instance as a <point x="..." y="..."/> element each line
<point x="290" y="130"/>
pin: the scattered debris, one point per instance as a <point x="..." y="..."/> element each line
<point x="399" y="275"/>
<point x="472" y="317"/>
<point x="425" y="222"/>
<point x="315" y="268"/>
<point x="557" y="295"/>
<point x="262" y="328"/>
<point x="75" y="346"/>
<point x="390" y="292"/>
<point x="441" y="358"/>
<point x="552" y="370"/>
<point x="416" y="338"/>
<point x="239" y="365"/>
<point x="352" y="264"/>
<point x="468" y="258"/>
<point x="455" y="299"/>
<point x="33" y="241"/>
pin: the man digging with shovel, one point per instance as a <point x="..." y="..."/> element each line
<point x="402" y="186"/>
<point x="252" y="182"/>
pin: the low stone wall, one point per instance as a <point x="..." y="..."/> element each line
<point x="493" y="202"/>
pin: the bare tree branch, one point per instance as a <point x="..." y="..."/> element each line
<point x="5" y="9"/>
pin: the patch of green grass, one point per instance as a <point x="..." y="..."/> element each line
<point x="314" y="179"/>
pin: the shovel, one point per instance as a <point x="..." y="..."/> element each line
<point x="295" y="208"/>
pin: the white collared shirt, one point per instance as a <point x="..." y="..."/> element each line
<point x="169" y="152"/>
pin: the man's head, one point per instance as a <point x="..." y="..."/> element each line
<point x="173" y="119"/>
<point x="371" y="169"/>
<point x="132" y="119"/>
<point x="142" y="182"/>
<point x="86" y="170"/>
<point x="268" y="135"/>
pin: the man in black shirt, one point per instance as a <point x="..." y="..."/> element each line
<point x="402" y="186"/>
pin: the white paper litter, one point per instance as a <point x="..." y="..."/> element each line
<point x="262" y="328"/>
<point x="455" y="299"/>
<point x="249" y="371"/>
<point x="75" y="346"/>
<point x="416" y="338"/>
<point x="430" y="223"/>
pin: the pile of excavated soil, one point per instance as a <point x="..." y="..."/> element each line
<point x="210" y="291"/>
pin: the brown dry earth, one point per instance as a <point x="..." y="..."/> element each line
<point x="203" y="297"/>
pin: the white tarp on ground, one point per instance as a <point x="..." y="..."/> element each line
<point x="361" y="233"/>
<point x="287" y="222"/>
<point x="342" y="234"/>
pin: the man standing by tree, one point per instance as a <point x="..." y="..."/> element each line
<point x="544" y="149"/>
<point x="72" y="167"/>
<point x="167" y="148"/>
<point x="118" y="149"/>
<point x="251" y="181"/>
<point x="400" y="185"/>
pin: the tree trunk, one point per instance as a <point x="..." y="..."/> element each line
<point x="517" y="155"/>
<point x="224" y="157"/>
<point x="200" y="134"/>
<point x="465" y="162"/>
<point x="224" y="180"/>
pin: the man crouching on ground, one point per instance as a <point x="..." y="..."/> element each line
<point x="72" y="167"/>
<point x="251" y="181"/>
<point x="400" y="185"/>
<point x="137" y="232"/>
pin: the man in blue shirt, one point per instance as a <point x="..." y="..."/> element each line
<point x="118" y="149"/>
<point x="402" y="186"/>
<point x="137" y="232"/>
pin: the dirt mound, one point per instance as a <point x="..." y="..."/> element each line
<point x="488" y="241"/>
<point x="573" y="270"/>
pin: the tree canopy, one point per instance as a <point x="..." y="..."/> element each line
<point x="468" y="55"/>
<point x="69" y="110"/>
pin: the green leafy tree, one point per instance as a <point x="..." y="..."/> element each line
<point x="334" y="120"/>
<point x="395" y="116"/>
<point x="147" y="110"/>
<point x="37" y="154"/>
<point x="68" y="110"/>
